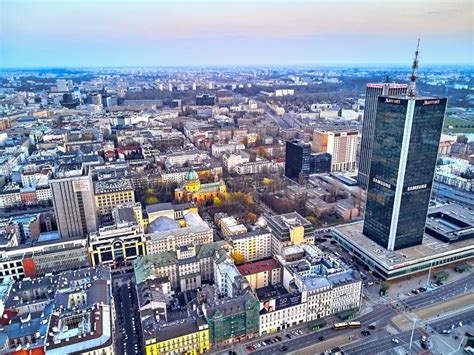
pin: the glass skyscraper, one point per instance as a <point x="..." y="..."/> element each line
<point x="372" y="93"/>
<point x="297" y="159"/>
<point x="405" y="147"/>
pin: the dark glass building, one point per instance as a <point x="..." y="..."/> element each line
<point x="320" y="163"/>
<point x="405" y="147"/>
<point x="372" y="93"/>
<point x="297" y="159"/>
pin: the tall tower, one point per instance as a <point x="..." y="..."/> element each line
<point x="73" y="201"/>
<point x="405" y="147"/>
<point x="372" y="93"/>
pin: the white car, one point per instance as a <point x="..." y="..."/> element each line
<point x="395" y="340"/>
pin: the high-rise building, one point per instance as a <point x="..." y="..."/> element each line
<point x="297" y="159"/>
<point x="341" y="144"/>
<point x="320" y="163"/>
<point x="372" y="93"/>
<point x="73" y="201"/>
<point x="406" y="138"/>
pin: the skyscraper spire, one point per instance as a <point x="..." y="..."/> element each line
<point x="412" y="86"/>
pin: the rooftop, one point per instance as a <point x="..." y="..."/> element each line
<point x="258" y="266"/>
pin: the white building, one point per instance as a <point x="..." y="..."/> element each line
<point x="253" y="245"/>
<point x="341" y="144"/>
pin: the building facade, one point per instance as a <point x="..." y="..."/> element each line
<point x="406" y="138"/>
<point x="372" y="93"/>
<point x="73" y="201"/>
<point x="297" y="159"/>
<point x="341" y="144"/>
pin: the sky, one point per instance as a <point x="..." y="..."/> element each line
<point x="86" y="33"/>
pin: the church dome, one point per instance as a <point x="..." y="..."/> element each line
<point x="192" y="183"/>
<point x="191" y="175"/>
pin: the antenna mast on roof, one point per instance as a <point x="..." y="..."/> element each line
<point x="412" y="86"/>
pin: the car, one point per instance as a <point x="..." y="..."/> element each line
<point x="249" y="348"/>
<point x="300" y="332"/>
<point x="395" y="340"/>
<point x="365" y="333"/>
<point x="446" y="331"/>
<point x="421" y="289"/>
<point x="370" y="283"/>
<point x="321" y="338"/>
<point x="257" y="345"/>
<point x="283" y="348"/>
<point x="415" y="291"/>
<point x="267" y="341"/>
<point x="278" y="338"/>
<point x="288" y="336"/>
<point x="371" y="327"/>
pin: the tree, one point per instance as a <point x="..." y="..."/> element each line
<point x="251" y="217"/>
<point x="150" y="200"/>
<point x="238" y="258"/>
<point x="312" y="219"/>
<point x="462" y="139"/>
<point x="216" y="201"/>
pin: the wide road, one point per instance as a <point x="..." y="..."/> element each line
<point x="385" y="344"/>
<point x="381" y="315"/>
<point x="440" y="294"/>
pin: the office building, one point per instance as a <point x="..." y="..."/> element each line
<point x="297" y="159"/>
<point x="73" y="201"/>
<point x="372" y="92"/>
<point x="406" y="138"/>
<point x="289" y="229"/>
<point x="320" y="163"/>
<point x="112" y="192"/>
<point x="341" y="144"/>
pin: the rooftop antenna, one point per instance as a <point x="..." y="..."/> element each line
<point x="412" y="86"/>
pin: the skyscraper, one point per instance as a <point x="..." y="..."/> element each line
<point x="406" y="138"/>
<point x="73" y="201"/>
<point x="372" y="92"/>
<point x="297" y="159"/>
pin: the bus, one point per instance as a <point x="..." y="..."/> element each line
<point x="342" y="325"/>
<point x="354" y="324"/>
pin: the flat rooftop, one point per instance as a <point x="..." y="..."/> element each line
<point x="430" y="249"/>
<point x="450" y="223"/>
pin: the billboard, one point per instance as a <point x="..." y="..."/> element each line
<point x="280" y="302"/>
<point x="287" y="300"/>
<point x="267" y="306"/>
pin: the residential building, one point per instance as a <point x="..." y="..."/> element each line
<point x="251" y="246"/>
<point x="341" y="144"/>
<point x="187" y="267"/>
<point x="261" y="273"/>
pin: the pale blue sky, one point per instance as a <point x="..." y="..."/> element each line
<point x="224" y="32"/>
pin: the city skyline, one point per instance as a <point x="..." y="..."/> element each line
<point x="224" y="33"/>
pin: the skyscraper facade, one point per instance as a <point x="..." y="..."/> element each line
<point x="372" y="92"/>
<point x="297" y="159"/>
<point x="406" y="138"/>
<point x="73" y="201"/>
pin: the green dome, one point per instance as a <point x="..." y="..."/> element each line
<point x="191" y="175"/>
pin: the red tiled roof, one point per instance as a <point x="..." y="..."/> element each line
<point x="258" y="266"/>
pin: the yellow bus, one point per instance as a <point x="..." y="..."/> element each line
<point x="354" y="324"/>
<point x="342" y="325"/>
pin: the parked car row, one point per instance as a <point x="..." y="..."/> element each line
<point x="263" y="343"/>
